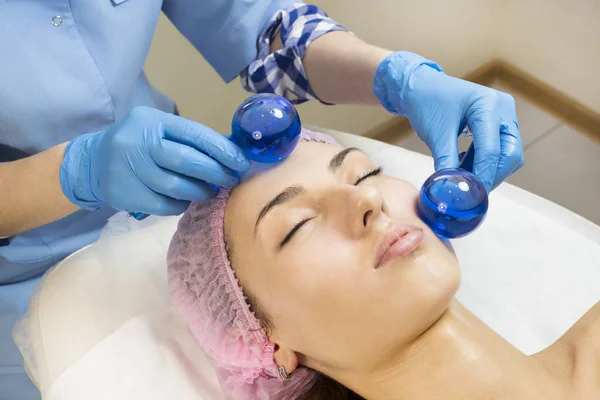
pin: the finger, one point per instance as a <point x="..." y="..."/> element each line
<point x="519" y="166"/>
<point x="204" y="139"/>
<point x="445" y="151"/>
<point x="175" y="186"/>
<point x="181" y="187"/>
<point x="511" y="152"/>
<point x="486" y="141"/>
<point x="165" y="206"/>
<point x="185" y="160"/>
<point x="159" y="204"/>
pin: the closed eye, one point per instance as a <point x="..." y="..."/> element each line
<point x="375" y="172"/>
<point x="299" y="225"/>
<point x="291" y="233"/>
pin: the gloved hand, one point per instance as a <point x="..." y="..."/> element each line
<point x="151" y="162"/>
<point x="439" y="106"/>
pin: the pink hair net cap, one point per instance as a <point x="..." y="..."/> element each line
<point x="209" y="297"/>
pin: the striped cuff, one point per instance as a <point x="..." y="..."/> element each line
<point x="282" y="72"/>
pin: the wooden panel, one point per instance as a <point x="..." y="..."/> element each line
<point x="397" y="128"/>
<point x="567" y="109"/>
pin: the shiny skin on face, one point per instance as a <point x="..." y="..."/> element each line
<point x="311" y="259"/>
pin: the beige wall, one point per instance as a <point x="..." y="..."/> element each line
<point x="176" y="68"/>
<point x="556" y="40"/>
<point x="437" y="29"/>
<point x="441" y="30"/>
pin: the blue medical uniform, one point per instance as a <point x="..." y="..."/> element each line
<point x="69" y="67"/>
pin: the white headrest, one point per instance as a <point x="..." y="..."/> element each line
<point x="100" y="324"/>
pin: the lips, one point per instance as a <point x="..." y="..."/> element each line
<point x="399" y="242"/>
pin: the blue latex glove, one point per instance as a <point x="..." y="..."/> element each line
<point x="151" y="162"/>
<point x="439" y="106"/>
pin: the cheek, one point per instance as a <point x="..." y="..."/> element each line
<point x="319" y="284"/>
<point x="319" y="268"/>
<point x="400" y="197"/>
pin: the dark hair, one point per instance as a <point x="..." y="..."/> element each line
<point x="324" y="388"/>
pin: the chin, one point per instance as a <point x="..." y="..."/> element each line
<point x="438" y="294"/>
<point x="438" y="275"/>
<point x="422" y="292"/>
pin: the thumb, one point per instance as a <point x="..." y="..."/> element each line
<point x="204" y="139"/>
<point x="486" y="141"/>
<point x="445" y="150"/>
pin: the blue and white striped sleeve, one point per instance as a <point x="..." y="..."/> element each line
<point x="282" y="72"/>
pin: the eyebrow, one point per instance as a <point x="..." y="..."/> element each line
<point x="294" y="191"/>
<point x="337" y="160"/>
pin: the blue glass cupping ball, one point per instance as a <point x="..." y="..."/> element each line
<point x="266" y="127"/>
<point x="453" y="203"/>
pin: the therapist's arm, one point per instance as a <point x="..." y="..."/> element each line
<point x="341" y="67"/>
<point x="305" y="55"/>
<point x="30" y="192"/>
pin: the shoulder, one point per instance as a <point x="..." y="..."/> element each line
<point x="586" y="331"/>
<point x="585" y="340"/>
<point x="575" y="357"/>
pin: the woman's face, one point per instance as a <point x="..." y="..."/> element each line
<point x="314" y="258"/>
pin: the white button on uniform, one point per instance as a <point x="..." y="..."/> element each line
<point x="57" y="20"/>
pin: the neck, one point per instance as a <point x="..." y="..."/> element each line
<point x="458" y="357"/>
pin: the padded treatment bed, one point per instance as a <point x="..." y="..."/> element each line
<point x="100" y="325"/>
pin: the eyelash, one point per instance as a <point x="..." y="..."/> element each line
<point x="296" y="227"/>
<point x="375" y="172"/>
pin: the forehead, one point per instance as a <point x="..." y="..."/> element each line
<point x="263" y="181"/>
<point x="307" y="163"/>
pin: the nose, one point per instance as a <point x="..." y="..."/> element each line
<point x="364" y="207"/>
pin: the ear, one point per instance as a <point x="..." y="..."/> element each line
<point x="286" y="358"/>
